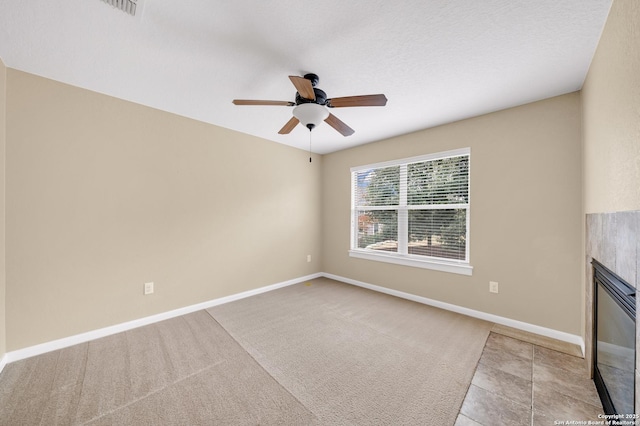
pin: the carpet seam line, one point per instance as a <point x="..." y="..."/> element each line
<point x="261" y="366"/>
<point x="145" y="396"/>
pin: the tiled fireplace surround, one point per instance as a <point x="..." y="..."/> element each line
<point x="614" y="240"/>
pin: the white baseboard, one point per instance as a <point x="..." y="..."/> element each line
<point x="3" y="362"/>
<point x="118" y="328"/>
<point x="531" y="328"/>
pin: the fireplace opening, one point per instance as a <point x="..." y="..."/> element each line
<point x="614" y="337"/>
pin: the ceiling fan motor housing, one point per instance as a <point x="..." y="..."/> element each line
<point x="313" y="78"/>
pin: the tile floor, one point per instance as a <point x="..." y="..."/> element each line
<point x="520" y="383"/>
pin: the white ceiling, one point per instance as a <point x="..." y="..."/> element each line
<point x="437" y="61"/>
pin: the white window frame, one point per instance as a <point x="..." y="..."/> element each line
<point x="402" y="257"/>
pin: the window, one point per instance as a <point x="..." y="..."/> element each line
<point x="413" y="211"/>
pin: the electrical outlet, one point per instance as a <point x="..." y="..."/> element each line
<point x="308" y="258"/>
<point x="148" y="288"/>
<point x="493" y="286"/>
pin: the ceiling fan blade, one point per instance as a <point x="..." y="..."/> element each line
<point x="339" y="125"/>
<point x="254" y="102"/>
<point x="357" y="101"/>
<point x="303" y="86"/>
<point x="289" y="126"/>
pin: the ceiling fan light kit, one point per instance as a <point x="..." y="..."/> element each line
<point x="310" y="115"/>
<point x="311" y="105"/>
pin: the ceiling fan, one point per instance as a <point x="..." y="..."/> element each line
<point x="310" y="106"/>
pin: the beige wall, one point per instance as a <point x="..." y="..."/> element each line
<point x="611" y="115"/>
<point x="104" y="195"/>
<point x="611" y="150"/>
<point x="525" y="214"/>
<point x="3" y="126"/>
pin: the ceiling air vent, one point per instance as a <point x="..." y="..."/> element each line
<point x="128" y="6"/>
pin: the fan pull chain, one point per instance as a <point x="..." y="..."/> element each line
<point x="309" y="145"/>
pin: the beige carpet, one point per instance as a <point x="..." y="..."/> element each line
<point x="325" y="353"/>
<point x="354" y="356"/>
<point x="183" y="371"/>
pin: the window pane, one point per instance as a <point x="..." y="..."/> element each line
<point x="415" y="206"/>
<point x="444" y="181"/>
<point x="378" y="230"/>
<point x="438" y="233"/>
<point x="378" y="187"/>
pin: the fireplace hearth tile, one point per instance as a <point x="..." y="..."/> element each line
<point x="555" y="393"/>
<point x="463" y="420"/>
<point x="550" y="358"/>
<point x="552" y="405"/>
<point x="536" y="339"/>
<point x="510" y="345"/>
<point x="502" y="383"/>
<point x="488" y="408"/>
<point x="507" y="362"/>
<point x="577" y="386"/>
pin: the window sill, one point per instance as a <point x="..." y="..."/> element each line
<point x="408" y="260"/>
